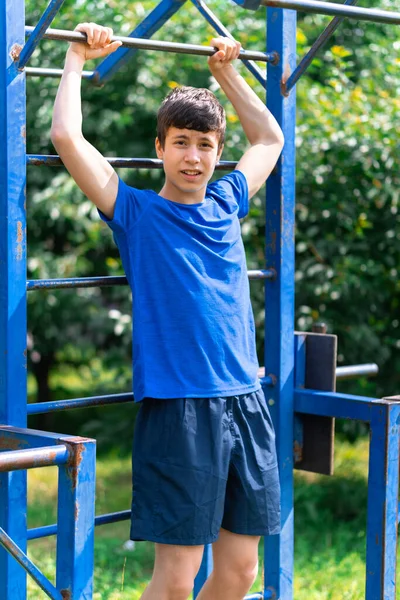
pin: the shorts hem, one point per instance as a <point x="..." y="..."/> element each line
<point x="173" y="541"/>
<point x="261" y="532"/>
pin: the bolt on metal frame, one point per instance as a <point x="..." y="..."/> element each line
<point x="23" y="448"/>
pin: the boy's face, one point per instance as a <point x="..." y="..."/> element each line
<point x="189" y="158"/>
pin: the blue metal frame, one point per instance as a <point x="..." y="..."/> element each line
<point x="12" y="285"/>
<point x="279" y="296"/>
<point x="283" y="385"/>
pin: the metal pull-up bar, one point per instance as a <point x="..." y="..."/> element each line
<point x="144" y="44"/>
<point x="327" y="8"/>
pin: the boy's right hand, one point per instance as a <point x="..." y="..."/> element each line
<point x="98" y="42"/>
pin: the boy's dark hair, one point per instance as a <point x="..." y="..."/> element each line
<point x="191" y="108"/>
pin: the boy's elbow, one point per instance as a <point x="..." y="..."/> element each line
<point x="60" y="137"/>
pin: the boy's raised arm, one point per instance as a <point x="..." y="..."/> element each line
<point x="91" y="171"/>
<point x="259" y="125"/>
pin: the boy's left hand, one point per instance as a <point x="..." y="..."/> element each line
<point x="228" y="50"/>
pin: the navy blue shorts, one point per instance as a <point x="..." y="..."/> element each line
<point x="200" y="464"/>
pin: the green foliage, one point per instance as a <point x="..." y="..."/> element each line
<point x="348" y="233"/>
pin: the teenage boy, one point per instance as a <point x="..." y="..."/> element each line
<point x="204" y="459"/>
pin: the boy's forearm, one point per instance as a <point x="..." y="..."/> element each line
<point x="67" y="113"/>
<point x="257" y="121"/>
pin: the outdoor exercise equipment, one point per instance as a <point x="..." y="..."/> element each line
<point x="300" y="369"/>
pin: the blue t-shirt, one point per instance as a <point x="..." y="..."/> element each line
<point x="193" y="326"/>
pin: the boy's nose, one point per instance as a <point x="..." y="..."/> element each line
<point x="192" y="155"/>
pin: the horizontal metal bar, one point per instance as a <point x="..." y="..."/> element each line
<point x="89" y="282"/>
<point x="317" y="45"/>
<point x="58" y="405"/>
<point x="31" y="458"/>
<point x="222" y="30"/>
<point x="45" y="407"/>
<point x="29" y="567"/>
<point x="333" y="404"/>
<point x="39" y="31"/>
<point x="144" y="44"/>
<point x="52" y="160"/>
<point x="49" y="530"/>
<point x="330" y="8"/>
<point x="55" y="73"/>
<point x="354" y="371"/>
<point x="260" y="595"/>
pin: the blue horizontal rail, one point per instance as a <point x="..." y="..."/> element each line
<point x="57" y="405"/>
<point x="144" y="44"/>
<point x="29" y="566"/>
<point x="89" y="282"/>
<point x="222" y="30"/>
<point x="39" y="31"/>
<point x="308" y="58"/>
<point x="52" y="160"/>
<point x="330" y="8"/>
<point x="31" y="458"/>
<point x="49" y="530"/>
<point x="333" y="404"/>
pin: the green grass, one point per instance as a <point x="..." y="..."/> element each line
<point x="330" y="518"/>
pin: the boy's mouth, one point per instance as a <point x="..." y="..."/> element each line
<point x="190" y="174"/>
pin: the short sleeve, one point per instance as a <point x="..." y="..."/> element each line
<point x="129" y="205"/>
<point x="231" y="190"/>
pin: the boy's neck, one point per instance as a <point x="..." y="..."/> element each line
<point x="175" y="194"/>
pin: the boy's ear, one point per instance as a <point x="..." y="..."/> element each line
<point x="159" y="149"/>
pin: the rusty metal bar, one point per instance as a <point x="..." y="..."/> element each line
<point x="31" y="458"/>
<point x="28" y="565"/>
<point x="144" y="44"/>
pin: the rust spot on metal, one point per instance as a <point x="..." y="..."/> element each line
<point x="23" y="132"/>
<point x="15" y="51"/>
<point x="274" y="378"/>
<point x="7" y="443"/>
<point x="275" y="61"/>
<point x="20" y="233"/>
<point x="297" y="451"/>
<point x="285" y="77"/>
<point x="74" y="462"/>
<point x="66" y="594"/>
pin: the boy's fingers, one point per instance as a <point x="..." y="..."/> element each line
<point x="103" y="40"/>
<point x="110" y="34"/>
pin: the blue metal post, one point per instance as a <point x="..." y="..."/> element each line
<point x="383" y="486"/>
<point x="12" y="284"/>
<point x="279" y="307"/>
<point x="205" y="570"/>
<point x="75" y="529"/>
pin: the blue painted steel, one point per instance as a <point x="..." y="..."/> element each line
<point x="18" y="438"/>
<point x="330" y="8"/>
<point x="279" y="294"/>
<point x="45" y="21"/>
<point x="222" y="30"/>
<point x="12" y="283"/>
<point x="19" y="555"/>
<point x="37" y="160"/>
<point x="152" y="23"/>
<point x="57" y="405"/>
<point x="316" y="47"/>
<point x="48" y="530"/>
<point x="75" y="537"/>
<point x="32" y="458"/>
<point x="383" y="496"/>
<point x="333" y="404"/>
<point x="205" y="570"/>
